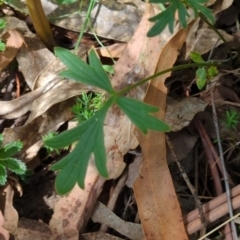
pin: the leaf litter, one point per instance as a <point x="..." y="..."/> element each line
<point x="159" y="190"/>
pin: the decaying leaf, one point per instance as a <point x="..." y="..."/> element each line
<point x="202" y="40"/>
<point x="29" y="229"/>
<point x="179" y="114"/>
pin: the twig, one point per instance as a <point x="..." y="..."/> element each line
<point x="225" y="176"/>
<point x="191" y="188"/>
<point x="112" y="201"/>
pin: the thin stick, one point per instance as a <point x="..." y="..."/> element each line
<point x="190" y="186"/>
<point x="225" y="175"/>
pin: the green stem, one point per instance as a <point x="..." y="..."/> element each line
<point x="90" y="7"/>
<point x="40" y="23"/>
<point x="179" y="67"/>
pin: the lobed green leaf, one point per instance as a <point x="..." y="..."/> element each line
<point x="73" y="167"/>
<point x="79" y="71"/>
<point x="139" y="113"/>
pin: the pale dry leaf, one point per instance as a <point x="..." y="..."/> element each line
<point x="10" y="213"/>
<point x="203" y="40"/>
<point x="179" y="114"/>
<point x="17" y="107"/>
<point x="134" y="170"/>
<point x="113" y="51"/>
<point x="221" y="5"/>
<point x="29" y="229"/>
<point x="64" y="90"/>
<point x="138" y="59"/>
<point x="72" y="211"/>
<point x="104" y="215"/>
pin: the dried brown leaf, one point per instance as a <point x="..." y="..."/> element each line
<point x="154" y="191"/>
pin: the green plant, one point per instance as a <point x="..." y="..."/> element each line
<point x="2" y="26"/>
<point x="167" y="17"/>
<point x="87" y="105"/>
<point x="26" y="176"/>
<point x="203" y="74"/>
<point x="48" y="136"/>
<point x="231" y="119"/>
<point x="7" y="162"/>
<point x="89" y="134"/>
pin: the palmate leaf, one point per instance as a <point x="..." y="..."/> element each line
<point x="139" y="113"/>
<point x="162" y="20"/>
<point x="79" y="71"/>
<point x="73" y="167"/>
<point x="197" y="6"/>
<point x="167" y="17"/>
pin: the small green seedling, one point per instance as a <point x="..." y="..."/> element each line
<point x="231" y="119"/>
<point x="50" y="150"/>
<point x="7" y="162"/>
<point x="87" y="105"/>
<point x="203" y="74"/>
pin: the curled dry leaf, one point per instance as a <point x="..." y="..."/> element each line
<point x="202" y="40"/>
